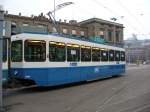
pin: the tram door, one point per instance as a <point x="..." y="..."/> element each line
<point x="6" y="60"/>
<point x="9" y="54"/>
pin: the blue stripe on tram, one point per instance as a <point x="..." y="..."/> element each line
<point x="5" y="77"/>
<point x="63" y="75"/>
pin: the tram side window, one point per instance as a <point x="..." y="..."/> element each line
<point x="95" y="54"/>
<point x="73" y="52"/>
<point x="104" y="55"/>
<point x="85" y="53"/>
<point x="117" y="55"/>
<point x="35" y="51"/>
<point x="111" y="55"/>
<point x="16" y="51"/>
<point x="5" y="50"/>
<point x="122" y="56"/>
<point x="57" y="52"/>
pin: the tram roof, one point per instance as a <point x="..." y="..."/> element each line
<point x="61" y="38"/>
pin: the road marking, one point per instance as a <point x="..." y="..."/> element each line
<point x="142" y="108"/>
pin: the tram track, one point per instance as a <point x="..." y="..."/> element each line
<point x="108" y="101"/>
<point x="129" y="93"/>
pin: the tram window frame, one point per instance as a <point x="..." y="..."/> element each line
<point x="5" y="50"/>
<point x="39" y="54"/>
<point x="73" y="52"/>
<point x="19" y="57"/>
<point x="122" y="58"/>
<point x="106" y="57"/>
<point x="54" y="55"/>
<point x="85" y="53"/>
<point x="111" y="55"/>
<point x="117" y="58"/>
<point x="96" y="56"/>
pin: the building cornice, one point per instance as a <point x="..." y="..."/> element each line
<point x="97" y="20"/>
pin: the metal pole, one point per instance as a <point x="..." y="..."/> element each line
<point x="1" y="42"/>
<point x="54" y="8"/>
<point x="129" y="54"/>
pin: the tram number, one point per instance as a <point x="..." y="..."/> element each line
<point x="73" y="64"/>
<point x="117" y="62"/>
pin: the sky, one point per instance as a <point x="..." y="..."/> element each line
<point x="133" y="14"/>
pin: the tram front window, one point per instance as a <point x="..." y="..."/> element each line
<point x="57" y="52"/>
<point x="4" y="50"/>
<point x="117" y="55"/>
<point x="35" y="50"/>
<point x="16" y="51"/>
<point x="122" y="56"/>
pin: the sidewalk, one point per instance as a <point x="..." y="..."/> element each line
<point x="135" y="66"/>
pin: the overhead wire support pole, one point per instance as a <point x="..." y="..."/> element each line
<point x="54" y="8"/>
<point x="1" y="48"/>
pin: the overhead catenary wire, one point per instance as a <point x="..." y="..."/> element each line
<point x="81" y="9"/>
<point x="105" y="7"/>
<point x="116" y="14"/>
<point x="130" y="13"/>
<point x="77" y="8"/>
<point x="112" y="12"/>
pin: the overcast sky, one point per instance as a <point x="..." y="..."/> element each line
<point x="134" y="14"/>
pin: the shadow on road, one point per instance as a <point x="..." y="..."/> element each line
<point x="35" y="89"/>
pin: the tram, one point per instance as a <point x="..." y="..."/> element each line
<point x="5" y="76"/>
<point x="51" y="60"/>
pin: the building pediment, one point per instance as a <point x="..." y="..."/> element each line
<point x="101" y="21"/>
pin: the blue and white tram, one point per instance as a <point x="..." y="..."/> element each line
<point x="50" y="60"/>
<point x="5" y="76"/>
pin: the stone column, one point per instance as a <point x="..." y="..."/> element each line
<point x="114" y="34"/>
<point x="106" y="32"/>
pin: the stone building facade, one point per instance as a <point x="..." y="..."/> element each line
<point x="111" y="32"/>
<point x="137" y="50"/>
<point x="135" y="54"/>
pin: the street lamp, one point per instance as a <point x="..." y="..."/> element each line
<point x="52" y="17"/>
<point x="54" y="8"/>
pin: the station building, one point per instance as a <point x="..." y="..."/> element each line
<point x="137" y="50"/>
<point x="94" y="28"/>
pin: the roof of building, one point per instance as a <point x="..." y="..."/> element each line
<point x="40" y="18"/>
<point x="99" y="21"/>
<point x="43" y="18"/>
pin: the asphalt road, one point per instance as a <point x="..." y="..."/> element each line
<point x="129" y="93"/>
